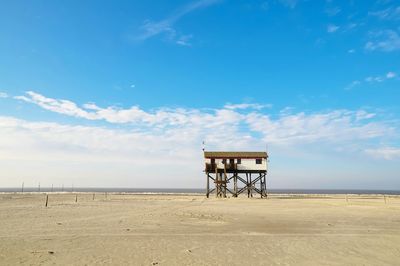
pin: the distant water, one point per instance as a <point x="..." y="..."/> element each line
<point x="197" y="190"/>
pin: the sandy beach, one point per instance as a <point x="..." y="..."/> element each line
<point x="123" y="229"/>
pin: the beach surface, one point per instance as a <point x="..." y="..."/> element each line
<point x="125" y="229"/>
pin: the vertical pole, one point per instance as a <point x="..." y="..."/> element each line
<point x="251" y="187"/>
<point x="208" y="185"/>
<point x="261" y="185"/>
<point x="22" y="189"/>
<point x="93" y="196"/>
<point x="47" y="199"/>
<point x="247" y="185"/>
<point x="225" y="177"/>
<point x="216" y="181"/>
<point x="235" y="188"/>
<point x="76" y="198"/>
<point x="265" y="185"/>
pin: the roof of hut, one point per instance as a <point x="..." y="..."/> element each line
<point x="235" y="154"/>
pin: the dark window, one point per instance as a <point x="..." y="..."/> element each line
<point x="258" y="161"/>
<point x="231" y="161"/>
<point x="239" y="161"/>
<point x="223" y="161"/>
<point x="212" y="161"/>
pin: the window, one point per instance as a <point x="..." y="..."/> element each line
<point x="223" y="161"/>
<point x="239" y="161"/>
<point x="212" y="161"/>
<point x="258" y="161"/>
<point x="231" y="161"/>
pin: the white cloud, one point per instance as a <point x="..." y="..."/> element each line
<point x="3" y="95"/>
<point x="390" y="13"/>
<point x="332" y="28"/>
<point x="150" y="28"/>
<point x="247" y="106"/>
<point x="169" y="139"/>
<point x="390" y="75"/>
<point x="184" y="40"/>
<point x="385" y="40"/>
<point x="372" y="79"/>
<point x="352" y="85"/>
<point x="332" y="11"/>
<point x="287" y="127"/>
<point x="387" y="153"/>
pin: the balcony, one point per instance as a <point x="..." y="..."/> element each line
<point x="229" y="167"/>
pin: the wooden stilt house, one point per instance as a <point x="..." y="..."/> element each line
<point x="236" y="173"/>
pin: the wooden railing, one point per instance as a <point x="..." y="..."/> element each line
<point x="210" y="167"/>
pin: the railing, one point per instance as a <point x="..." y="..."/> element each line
<point x="210" y="167"/>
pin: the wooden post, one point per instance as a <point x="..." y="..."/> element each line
<point x="247" y="185"/>
<point x="47" y="199"/>
<point x="251" y="186"/>
<point x="76" y="198"/>
<point x="93" y="196"/>
<point x="225" y="178"/>
<point x="265" y="185"/>
<point x="216" y="181"/>
<point x="208" y="185"/>
<point x="235" y="187"/>
<point x="261" y="185"/>
<point x="22" y="190"/>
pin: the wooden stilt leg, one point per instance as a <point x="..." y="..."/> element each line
<point x="235" y="185"/>
<point x="208" y="185"/>
<point x="216" y="181"/>
<point x="251" y="187"/>
<point x="247" y="185"/>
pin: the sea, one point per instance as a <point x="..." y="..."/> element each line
<point x="191" y="190"/>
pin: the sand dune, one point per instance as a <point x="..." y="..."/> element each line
<point x="192" y="230"/>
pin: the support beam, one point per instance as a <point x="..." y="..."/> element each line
<point x="208" y="185"/>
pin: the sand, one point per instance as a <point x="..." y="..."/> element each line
<point x="193" y="230"/>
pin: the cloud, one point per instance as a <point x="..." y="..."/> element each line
<point x="390" y="75"/>
<point x="332" y="11"/>
<point x="372" y="79"/>
<point x="352" y="85"/>
<point x="385" y="40"/>
<point x="390" y="13"/>
<point x="287" y="128"/>
<point x="332" y="28"/>
<point x="184" y="40"/>
<point x="3" y="95"/>
<point x="151" y="29"/>
<point x="387" y="153"/>
<point x="247" y="106"/>
<point x="168" y="141"/>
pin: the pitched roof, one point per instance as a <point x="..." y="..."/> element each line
<point x="235" y="154"/>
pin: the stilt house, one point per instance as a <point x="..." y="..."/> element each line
<point x="236" y="172"/>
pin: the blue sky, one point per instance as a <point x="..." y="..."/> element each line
<point x="96" y="92"/>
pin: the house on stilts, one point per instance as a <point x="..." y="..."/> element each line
<point x="236" y="173"/>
